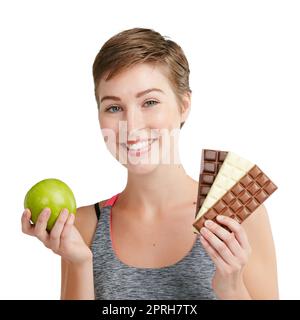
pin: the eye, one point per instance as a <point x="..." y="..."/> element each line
<point x="150" y="103"/>
<point x="111" y="108"/>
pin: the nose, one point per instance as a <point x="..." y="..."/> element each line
<point x="135" y="120"/>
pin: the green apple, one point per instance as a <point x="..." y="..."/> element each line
<point x="49" y="193"/>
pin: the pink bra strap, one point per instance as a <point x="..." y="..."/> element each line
<point x="111" y="201"/>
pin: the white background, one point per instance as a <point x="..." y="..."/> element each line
<point x="245" y="77"/>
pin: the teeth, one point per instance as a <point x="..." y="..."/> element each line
<point x="139" y="145"/>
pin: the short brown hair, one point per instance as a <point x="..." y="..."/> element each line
<point x="140" y="45"/>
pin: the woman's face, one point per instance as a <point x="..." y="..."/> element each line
<point x="139" y="105"/>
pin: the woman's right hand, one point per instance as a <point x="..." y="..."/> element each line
<point x="64" y="238"/>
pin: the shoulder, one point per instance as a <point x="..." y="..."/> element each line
<point x="257" y="223"/>
<point x="259" y="233"/>
<point x="260" y="274"/>
<point x="86" y="221"/>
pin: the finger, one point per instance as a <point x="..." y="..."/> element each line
<point x="226" y="236"/>
<point x="218" y="245"/>
<point x="239" y="231"/>
<point x="41" y="224"/>
<point x="214" y="255"/>
<point x="55" y="233"/>
<point x="68" y="226"/>
<point x="27" y="227"/>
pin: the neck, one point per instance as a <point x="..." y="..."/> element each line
<point x="157" y="191"/>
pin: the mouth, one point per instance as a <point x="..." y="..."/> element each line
<point x="139" y="148"/>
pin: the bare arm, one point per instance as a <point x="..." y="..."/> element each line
<point x="260" y="274"/>
<point x="69" y="238"/>
<point x="77" y="279"/>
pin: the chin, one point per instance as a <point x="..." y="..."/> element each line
<point x="141" y="169"/>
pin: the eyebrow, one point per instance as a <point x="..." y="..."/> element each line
<point x="138" y="95"/>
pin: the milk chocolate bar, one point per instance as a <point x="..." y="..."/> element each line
<point x="242" y="199"/>
<point x="211" y="162"/>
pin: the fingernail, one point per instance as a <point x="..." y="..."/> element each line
<point x="209" y="223"/>
<point x="46" y="212"/>
<point x="64" y="213"/>
<point x="203" y="230"/>
<point x="220" y="217"/>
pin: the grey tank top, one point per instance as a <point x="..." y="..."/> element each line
<point x="189" y="278"/>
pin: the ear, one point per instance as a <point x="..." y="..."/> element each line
<point x="185" y="106"/>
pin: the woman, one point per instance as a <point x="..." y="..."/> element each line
<point x="139" y="244"/>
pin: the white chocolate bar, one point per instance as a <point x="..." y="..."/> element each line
<point x="232" y="170"/>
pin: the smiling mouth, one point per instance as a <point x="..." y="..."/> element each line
<point x="139" y="147"/>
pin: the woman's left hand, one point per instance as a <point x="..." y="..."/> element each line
<point x="230" y="252"/>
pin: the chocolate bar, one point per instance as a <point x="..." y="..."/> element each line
<point x="211" y="162"/>
<point x="241" y="200"/>
<point x="232" y="170"/>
